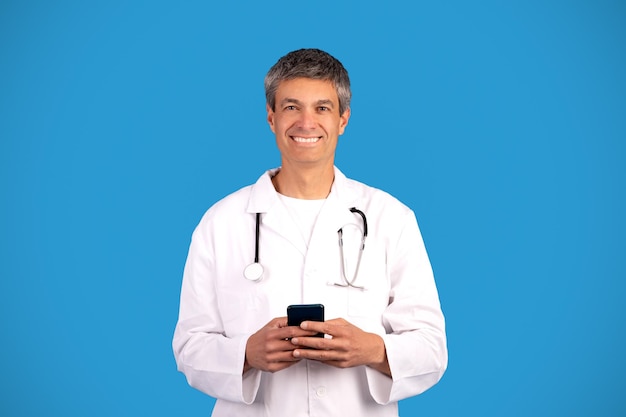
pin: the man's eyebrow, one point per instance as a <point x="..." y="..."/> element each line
<point x="288" y="100"/>
<point x="321" y="102"/>
<point x="325" y="102"/>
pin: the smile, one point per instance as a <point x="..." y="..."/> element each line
<point x="305" y="140"/>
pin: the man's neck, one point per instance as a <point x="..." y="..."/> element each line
<point x="306" y="184"/>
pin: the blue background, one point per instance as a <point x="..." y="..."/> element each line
<point x="502" y="124"/>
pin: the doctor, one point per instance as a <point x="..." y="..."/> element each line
<point x="312" y="236"/>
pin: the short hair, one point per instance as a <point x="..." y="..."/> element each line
<point x="309" y="63"/>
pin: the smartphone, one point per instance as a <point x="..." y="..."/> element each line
<point x="297" y="313"/>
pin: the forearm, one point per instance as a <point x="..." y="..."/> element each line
<point x="380" y="362"/>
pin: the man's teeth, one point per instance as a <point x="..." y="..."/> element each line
<point x="305" y="140"/>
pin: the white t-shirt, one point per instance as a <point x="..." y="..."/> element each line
<point x="304" y="213"/>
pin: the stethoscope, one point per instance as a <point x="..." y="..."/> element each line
<point x="254" y="271"/>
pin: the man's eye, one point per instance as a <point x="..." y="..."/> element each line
<point x="323" y="108"/>
<point x="290" y="108"/>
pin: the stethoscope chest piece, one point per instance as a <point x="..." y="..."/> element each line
<point x="253" y="272"/>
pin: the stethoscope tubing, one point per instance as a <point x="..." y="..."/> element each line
<point x="254" y="271"/>
<point x="256" y="243"/>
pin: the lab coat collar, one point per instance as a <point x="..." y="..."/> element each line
<point x="263" y="196"/>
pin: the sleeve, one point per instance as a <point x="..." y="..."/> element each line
<point x="415" y="338"/>
<point x="211" y="362"/>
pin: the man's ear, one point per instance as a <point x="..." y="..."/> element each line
<point x="270" y="116"/>
<point x="343" y="120"/>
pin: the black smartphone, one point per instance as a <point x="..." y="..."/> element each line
<point x="297" y="313"/>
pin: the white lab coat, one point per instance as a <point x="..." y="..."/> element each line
<point x="220" y="309"/>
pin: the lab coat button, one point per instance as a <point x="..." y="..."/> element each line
<point x="321" y="391"/>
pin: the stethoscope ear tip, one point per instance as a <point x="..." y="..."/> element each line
<point x="253" y="272"/>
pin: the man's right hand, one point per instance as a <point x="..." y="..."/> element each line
<point x="270" y="349"/>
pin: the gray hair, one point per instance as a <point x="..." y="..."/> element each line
<point x="309" y="63"/>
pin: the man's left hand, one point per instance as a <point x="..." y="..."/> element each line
<point x="345" y="346"/>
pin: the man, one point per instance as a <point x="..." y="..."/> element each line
<point x="315" y="237"/>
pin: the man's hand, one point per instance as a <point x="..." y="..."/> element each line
<point x="270" y="349"/>
<point x="347" y="347"/>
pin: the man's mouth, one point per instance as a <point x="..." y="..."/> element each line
<point x="301" y="139"/>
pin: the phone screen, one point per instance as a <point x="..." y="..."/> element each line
<point x="297" y="313"/>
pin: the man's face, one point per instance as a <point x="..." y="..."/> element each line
<point x="307" y="122"/>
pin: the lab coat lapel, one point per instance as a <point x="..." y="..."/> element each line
<point x="334" y="215"/>
<point x="274" y="215"/>
<point x="280" y="221"/>
<point x="336" y="211"/>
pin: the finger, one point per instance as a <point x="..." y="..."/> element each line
<point x="317" y="326"/>
<point x="284" y="356"/>
<point x="290" y="332"/>
<point x="279" y="322"/>
<point x="276" y="366"/>
<point x="320" y="355"/>
<point x="313" y="342"/>
<point x="273" y="359"/>
<point x="281" y="346"/>
<point x="337" y="321"/>
<point x="324" y="327"/>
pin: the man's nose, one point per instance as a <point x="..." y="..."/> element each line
<point x="307" y="119"/>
